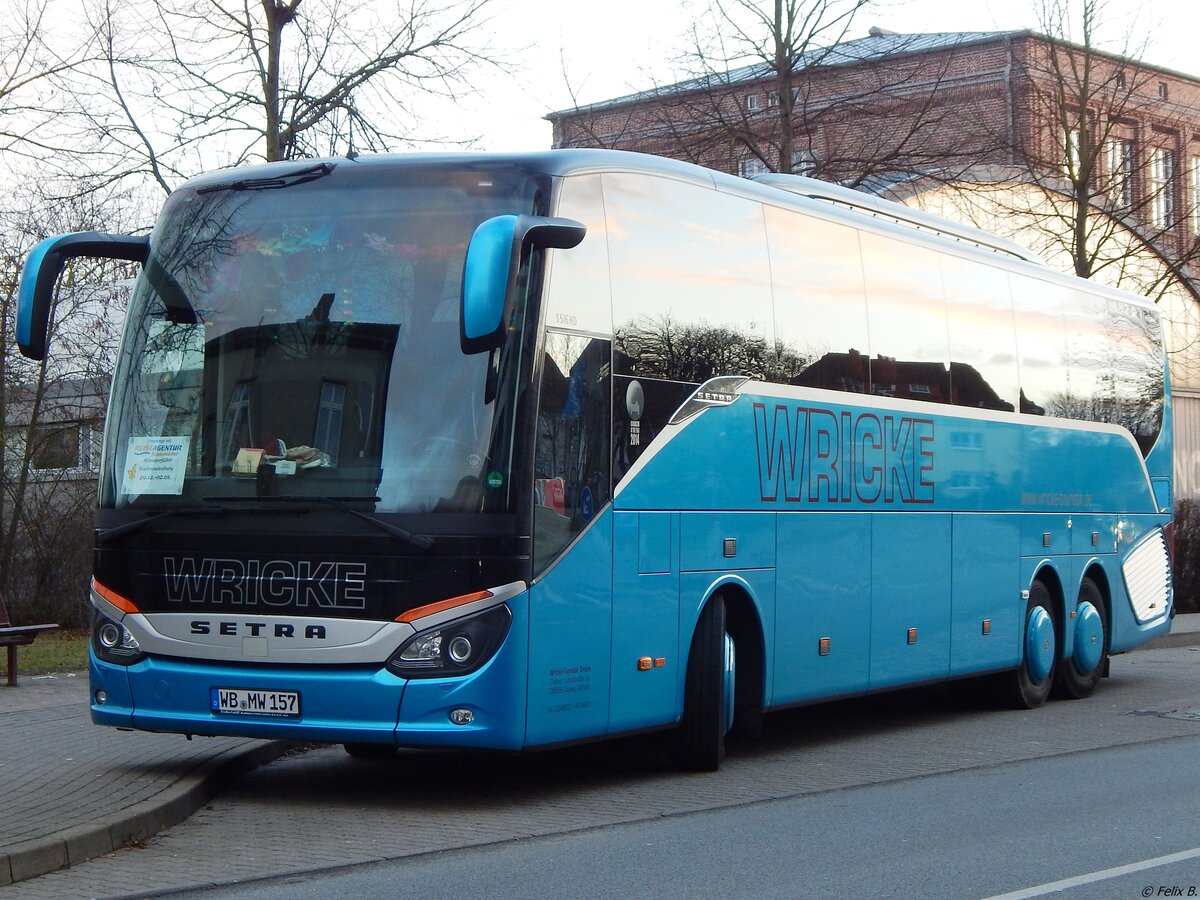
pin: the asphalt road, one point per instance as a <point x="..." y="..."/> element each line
<point x="914" y="793"/>
<point x="1022" y="828"/>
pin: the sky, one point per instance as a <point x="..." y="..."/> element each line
<point x="616" y="47"/>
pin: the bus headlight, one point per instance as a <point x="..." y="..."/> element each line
<point x="454" y="648"/>
<point x="113" y="642"/>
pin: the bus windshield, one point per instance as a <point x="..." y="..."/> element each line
<point x="295" y="338"/>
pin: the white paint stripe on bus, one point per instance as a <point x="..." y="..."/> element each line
<point x="1102" y="875"/>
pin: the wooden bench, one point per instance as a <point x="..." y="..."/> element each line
<point x="14" y="636"/>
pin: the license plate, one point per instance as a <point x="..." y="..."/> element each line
<point x="243" y="702"/>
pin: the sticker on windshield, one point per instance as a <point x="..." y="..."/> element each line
<point x="155" y="465"/>
<point x="495" y="479"/>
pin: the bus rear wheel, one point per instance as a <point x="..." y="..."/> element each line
<point x="1028" y="686"/>
<point x="1078" y="674"/>
<point x="698" y="745"/>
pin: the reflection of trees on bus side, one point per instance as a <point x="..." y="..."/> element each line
<point x="694" y="352"/>
<point x="1113" y="374"/>
<point x="691" y="352"/>
<point x="1116" y="376"/>
<point x="1136" y="405"/>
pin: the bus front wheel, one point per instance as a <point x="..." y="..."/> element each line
<point x="698" y="745"/>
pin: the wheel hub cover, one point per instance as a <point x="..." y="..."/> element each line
<point x="1089" y="637"/>
<point x="1039" y="645"/>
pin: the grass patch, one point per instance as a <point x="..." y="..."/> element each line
<point x="59" y="651"/>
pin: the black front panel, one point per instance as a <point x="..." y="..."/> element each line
<point x="305" y="564"/>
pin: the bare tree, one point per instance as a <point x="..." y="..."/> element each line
<point x="52" y="412"/>
<point x="29" y="62"/>
<point x="1108" y="143"/>
<point x="780" y="39"/>
<point x="180" y="87"/>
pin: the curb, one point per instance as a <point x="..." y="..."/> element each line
<point x="1174" y="639"/>
<point x="74" y="845"/>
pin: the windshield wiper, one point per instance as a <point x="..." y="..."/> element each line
<point x="119" y="531"/>
<point x="417" y="540"/>
<point x="289" y="179"/>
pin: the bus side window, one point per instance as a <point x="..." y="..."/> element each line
<point x="571" y="459"/>
<point x="1041" y="346"/>
<point x="820" y="308"/>
<point x="1136" y="356"/>
<point x="907" y="312"/>
<point x="578" y="295"/>
<point x="691" y="293"/>
<point x="983" y="348"/>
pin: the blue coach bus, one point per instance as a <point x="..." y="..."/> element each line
<point x="515" y="451"/>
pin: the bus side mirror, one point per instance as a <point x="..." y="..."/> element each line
<point x="490" y="271"/>
<point x="45" y="262"/>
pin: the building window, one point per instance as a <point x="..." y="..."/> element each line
<point x="329" y="419"/>
<point x="752" y="102"/>
<point x="1194" y="184"/>
<point x="752" y="166"/>
<point x="803" y="162"/>
<point x="774" y="97"/>
<point x="1072" y="158"/>
<point x="1119" y="80"/>
<point x="56" y="446"/>
<point x="91" y="440"/>
<point x="1162" y="187"/>
<point x="1119" y="158"/>
<point x="1162" y="90"/>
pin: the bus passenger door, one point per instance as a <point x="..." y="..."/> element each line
<point x="570" y="615"/>
<point x="570" y="610"/>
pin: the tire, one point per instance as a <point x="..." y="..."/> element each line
<point x="1078" y="675"/>
<point x="1028" y="686"/>
<point x="698" y="745"/>
<point x="370" y="751"/>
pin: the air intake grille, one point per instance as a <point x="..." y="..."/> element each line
<point x="1147" y="573"/>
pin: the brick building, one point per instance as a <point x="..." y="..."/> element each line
<point x="874" y="111"/>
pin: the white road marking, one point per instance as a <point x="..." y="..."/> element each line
<point x="1102" y="875"/>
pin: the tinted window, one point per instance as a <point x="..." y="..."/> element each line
<point x="983" y="350"/>
<point x="1089" y="383"/>
<point x="820" y="309"/>
<point x="690" y="290"/>
<point x="1137" y="370"/>
<point x="571" y="475"/>
<point x="907" y="318"/>
<point x="1041" y="346"/>
<point x="578" y="296"/>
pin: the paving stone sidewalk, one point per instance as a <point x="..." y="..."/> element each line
<point x="71" y="790"/>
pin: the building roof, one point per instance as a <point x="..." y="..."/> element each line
<point x="878" y="44"/>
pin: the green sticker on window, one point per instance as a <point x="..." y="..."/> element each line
<point x="495" y="479"/>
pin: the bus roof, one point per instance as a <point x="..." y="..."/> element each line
<point x="798" y="192"/>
